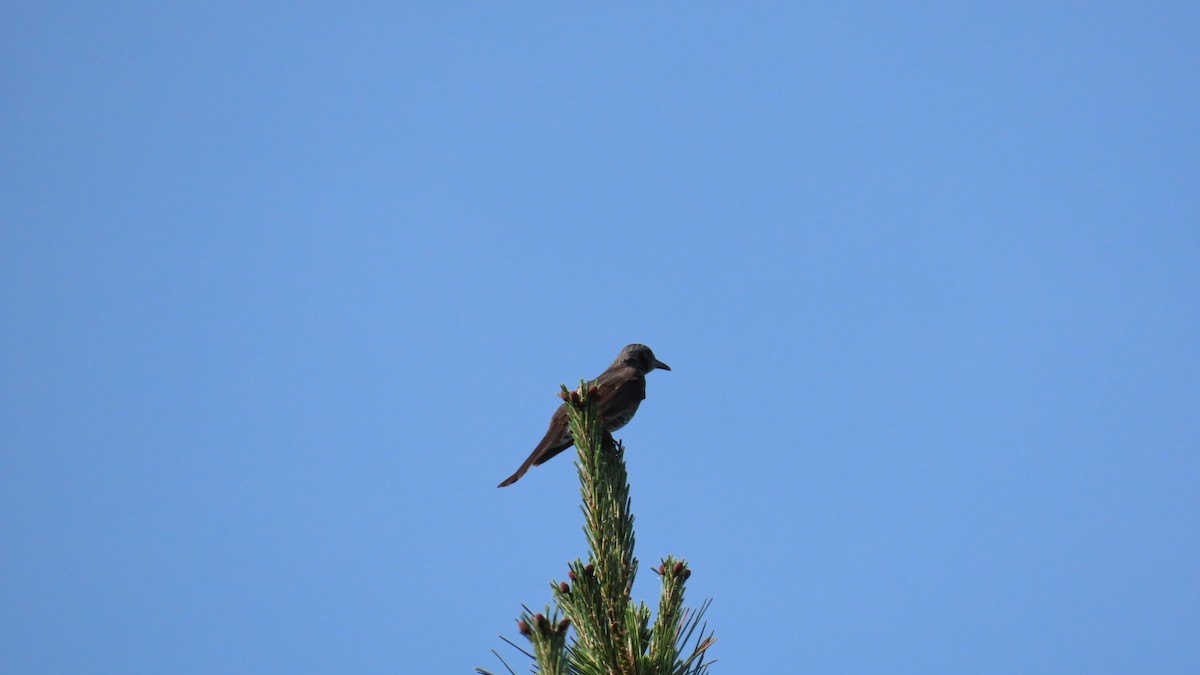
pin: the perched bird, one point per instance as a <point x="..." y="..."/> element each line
<point x="621" y="389"/>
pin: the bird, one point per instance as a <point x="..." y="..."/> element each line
<point x="621" y="389"/>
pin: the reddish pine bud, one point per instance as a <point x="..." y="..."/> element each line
<point x="564" y="587"/>
<point x="540" y="619"/>
<point x="593" y="390"/>
<point x="589" y="569"/>
<point x="564" y="625"/>
<point x="687" y="573"/>
<point x="571" y="575"/>
<point x="523" y="628"/>
<point x="678" y="568"/>
<point x="662" y="569"/>
<point x="575" y="398"/>
<point x="562" y="394"/>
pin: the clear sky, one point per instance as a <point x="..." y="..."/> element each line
<point x="286" y="290"/>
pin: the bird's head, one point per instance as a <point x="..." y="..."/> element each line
<point x="639" y="357"/>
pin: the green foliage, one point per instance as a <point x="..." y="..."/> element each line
<point x="613" y="635"/>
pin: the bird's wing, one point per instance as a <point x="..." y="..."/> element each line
<point x="620" y="392"/>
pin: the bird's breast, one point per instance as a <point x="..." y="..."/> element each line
<point x="620" y="418"/>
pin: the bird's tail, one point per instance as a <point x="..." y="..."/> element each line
<point x="517" y="476"/>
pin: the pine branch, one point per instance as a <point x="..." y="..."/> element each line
<point x="613" y="635"/>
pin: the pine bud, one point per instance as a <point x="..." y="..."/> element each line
<point x="564" y="587"/>
<point x="523" y="628"/>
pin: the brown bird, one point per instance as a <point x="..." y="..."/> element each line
<point x="621" y="390"/>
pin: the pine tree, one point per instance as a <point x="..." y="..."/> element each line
<point x="613" y="635"/>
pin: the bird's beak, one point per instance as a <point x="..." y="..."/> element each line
<point x="660" y="364"/>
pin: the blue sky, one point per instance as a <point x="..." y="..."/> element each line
<point x="287" y="290"/>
